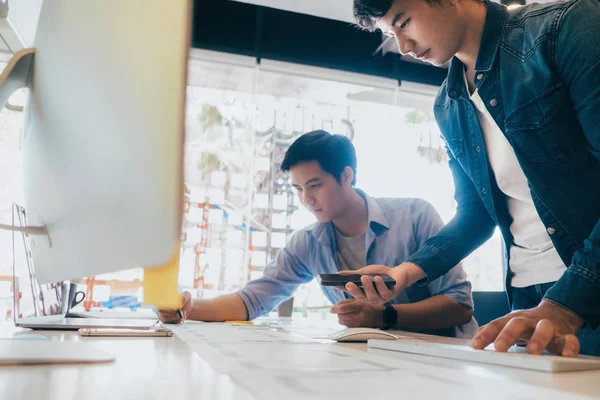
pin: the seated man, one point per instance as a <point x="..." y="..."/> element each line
<point x="353" y="230"/>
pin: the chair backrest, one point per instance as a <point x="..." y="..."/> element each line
<point x="489" y="306"/>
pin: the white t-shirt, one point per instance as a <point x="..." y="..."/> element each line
<point x="533" y="258"/>
<point x="350" y="251"/>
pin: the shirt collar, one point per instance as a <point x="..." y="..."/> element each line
<point x="495" y="20"/>
<point x="377" y="220"/>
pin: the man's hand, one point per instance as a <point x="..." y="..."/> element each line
<point x="404" y="274"/>
<point x="172" y="316"/>
<point x="547" y="326"/>
<point x="358" y="313"/>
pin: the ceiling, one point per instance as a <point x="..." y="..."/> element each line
<point x="340" y="10"/>
<point x="251" y="28"/>
<point x="319" y="33"/>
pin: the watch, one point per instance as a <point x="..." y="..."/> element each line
<point x="390" y="317"/>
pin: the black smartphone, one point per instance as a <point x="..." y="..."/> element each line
<point x="341" y="280"/>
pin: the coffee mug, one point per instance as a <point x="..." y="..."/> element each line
<point x="75" y="296"/>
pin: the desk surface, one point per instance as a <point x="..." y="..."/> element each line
<point x="166" y="368"/>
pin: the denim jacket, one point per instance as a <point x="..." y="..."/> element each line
<point x="538" y="72"/>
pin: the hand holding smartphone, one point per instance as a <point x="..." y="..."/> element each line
<point x="342" y="280"/>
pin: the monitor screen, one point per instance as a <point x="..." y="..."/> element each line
<point x="104" y="135"/>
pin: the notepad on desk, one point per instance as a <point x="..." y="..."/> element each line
<point x="240" y="323"/>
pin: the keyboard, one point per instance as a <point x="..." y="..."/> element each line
<point x="515" y="358"/>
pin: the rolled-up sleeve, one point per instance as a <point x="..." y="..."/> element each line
<point x="280" y="280"/>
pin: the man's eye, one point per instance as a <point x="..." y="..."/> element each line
<point x="405" y="23"/>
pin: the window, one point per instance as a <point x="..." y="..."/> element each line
<point x="243" y="117"/>
<point x="240" y="208"/>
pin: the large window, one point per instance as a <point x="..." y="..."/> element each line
<point x="242" y="117"/>
<point x="240" y="208"/>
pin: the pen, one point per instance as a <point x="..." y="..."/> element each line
<point x="180" y="313"/>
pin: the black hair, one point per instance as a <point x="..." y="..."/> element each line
<point x="332" y="152"/>
<point x="368" y="12"/>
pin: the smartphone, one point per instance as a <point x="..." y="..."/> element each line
<point x="124" y="332"/>
<point x="341" y="280"/>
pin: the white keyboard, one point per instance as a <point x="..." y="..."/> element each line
<point x="516" y="358"/>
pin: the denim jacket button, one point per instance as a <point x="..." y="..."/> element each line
<point x="483" y="191"/>
<point x="479" y="77"/>
<point x="551" y="230"/>
<point x="478" y="149"/>
<point x="493" y="102"/>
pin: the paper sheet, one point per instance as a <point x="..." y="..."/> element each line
<point x="315" y="329"/>
<point x="226" y="358"/>
<point x="393" y="384"/>
<point x="221" y="333"/>
<point x="160" y="285"/>
<point x="274" y="365"/>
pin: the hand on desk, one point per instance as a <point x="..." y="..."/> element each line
<point x="547" y="326"/>
<point x="358" y="313"/>
<point x="173" y="316"/>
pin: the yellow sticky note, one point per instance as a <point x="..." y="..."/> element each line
<point x="240" y="323"/>
<point x="160" y="285"/>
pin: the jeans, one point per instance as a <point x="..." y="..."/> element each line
<point x="531" y="296"/>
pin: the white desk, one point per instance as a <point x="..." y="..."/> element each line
<point x="166" y="368"/>
<point x="161" y="368"/>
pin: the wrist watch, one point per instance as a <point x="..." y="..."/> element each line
<point x="390" y="317"/>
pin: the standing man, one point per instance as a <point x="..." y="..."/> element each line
<point x="520" y="115"/>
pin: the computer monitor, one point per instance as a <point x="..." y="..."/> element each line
<point x="104" y="135"/>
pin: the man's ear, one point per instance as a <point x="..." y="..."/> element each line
<point x="347" y="175"/>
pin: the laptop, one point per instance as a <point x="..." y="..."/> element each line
<point x="47" y="306"/>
